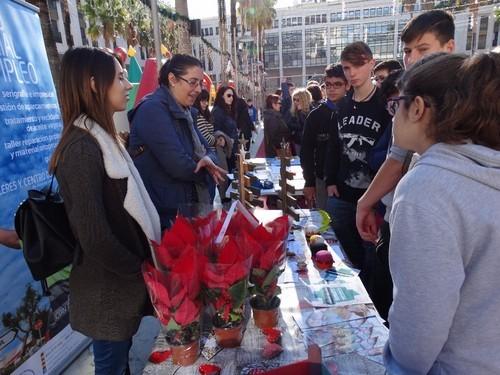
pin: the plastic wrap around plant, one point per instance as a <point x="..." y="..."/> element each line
<point x="225" y="279"/>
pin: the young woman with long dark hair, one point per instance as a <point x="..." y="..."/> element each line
<point x="109" y="209"/>
<point x="224" y="115"/>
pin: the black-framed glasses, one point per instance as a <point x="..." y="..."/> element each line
<point x="193" y="83"/>
<point x="393" y="103"/>
<point x="335" y="84"/>
<point x="229" y="95"/>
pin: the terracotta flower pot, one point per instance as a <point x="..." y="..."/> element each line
<point x="185" y="355"/>
<point x="265" y="318"/>
<point x="229" y="337"/>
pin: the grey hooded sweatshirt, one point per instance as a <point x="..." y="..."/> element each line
<point x="445" y="263"/>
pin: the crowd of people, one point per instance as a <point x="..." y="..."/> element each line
<point x="406" y="161"/>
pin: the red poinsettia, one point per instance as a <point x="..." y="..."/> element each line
<point x="225" y="276"/>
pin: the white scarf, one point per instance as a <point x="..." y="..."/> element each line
<point x="118" y="165"/>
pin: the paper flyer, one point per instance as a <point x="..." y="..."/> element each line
<point x="366" y="337"/>
<point x="322" y="317"/>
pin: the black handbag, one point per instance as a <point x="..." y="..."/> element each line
<point x="42" y="225"/>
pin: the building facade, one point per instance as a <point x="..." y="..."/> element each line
<point x="305" y="38"/>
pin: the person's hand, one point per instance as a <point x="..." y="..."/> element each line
<point x="221" y="141"/>
<point x="332" y="191"/>
<point x="310" y="195"/>
<point x="217" y="173"/>
<point x="366" y="222"/>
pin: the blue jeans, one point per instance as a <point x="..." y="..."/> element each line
<point x="359" y="252"/>
<point x="111" y="357"/>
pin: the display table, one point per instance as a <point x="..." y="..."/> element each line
<point x="348" y="330"/>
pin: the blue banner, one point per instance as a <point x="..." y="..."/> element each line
<point x="30" y="124"/>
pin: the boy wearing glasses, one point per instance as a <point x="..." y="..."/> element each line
<point x="362" y="120"/>
<point x="428" y="33"/>
<point x="315" y="137"/>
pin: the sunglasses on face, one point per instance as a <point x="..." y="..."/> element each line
<point x="229" y="95"/>
<point x="337" y="85"/>
<point x="193" y="83"/>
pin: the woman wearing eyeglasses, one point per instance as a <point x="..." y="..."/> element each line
<point x="172" y="156"/>
<point x="276" y="133"/>
<point x="444" y="256"/>
<point x="224" y="116"/>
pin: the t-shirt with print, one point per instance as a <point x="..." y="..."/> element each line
<point x="361" y="124"/>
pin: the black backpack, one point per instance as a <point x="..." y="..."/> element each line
<point x="42" y="225"/>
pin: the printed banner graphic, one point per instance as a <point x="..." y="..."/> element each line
<point x="35" y="337"/>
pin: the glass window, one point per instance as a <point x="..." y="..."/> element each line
<point x="483" y="30"/>
<point x="299" y="21"/>
<point x="366" y="13"/>
<point x="373" y="12"/>
<point x="211" y="31"/>
<point x="379" y="12"/>
<point x="357" y="14"/>
<point x="351" y="14"/>
<point x="271" y="46"/>
<point x="291" y="48"/>
<point x="315" y="46"/>
<point x="323" y="18"/>
<point x="307" y="20"/>
<point x="318" y="18"/>
<point x="289" y="22"/>
<point x="386" y="11"/>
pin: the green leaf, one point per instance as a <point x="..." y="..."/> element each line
<point x="172" y="325"/>
<point x="258" y="272"/>
<point x="238" y="292"/>
<point x="271" y="276"/>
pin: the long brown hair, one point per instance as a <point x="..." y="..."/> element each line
<point x="220" y="102"/>
<point x="76" y="96"/>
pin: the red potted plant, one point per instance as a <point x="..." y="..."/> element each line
<point x="225" y="278"/>
<point x="175" y="290"/>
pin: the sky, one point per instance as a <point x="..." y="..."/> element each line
<point x="208" y="8"/>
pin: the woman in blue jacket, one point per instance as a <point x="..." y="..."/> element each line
<point x="224" y="117"/>
<point x="171" y="155"/>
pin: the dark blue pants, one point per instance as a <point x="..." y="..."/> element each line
<point x="111" y="357"/>
<point x="360" y="253"/>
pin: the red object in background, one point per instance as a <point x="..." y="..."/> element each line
<point x="149" y="80"/>
<point x="159" y="357"/>
<point x="311" y="366"/>
<point x="38" y="324"/>
<point x="121" y="53"/>
<point x="209" y="369"/>
<point x="323" y="260"/>
<point x="207" y="82"/>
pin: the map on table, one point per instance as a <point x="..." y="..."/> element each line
<point x="343" y="291"/>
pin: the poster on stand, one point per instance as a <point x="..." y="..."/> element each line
<point x="35" y="337"/>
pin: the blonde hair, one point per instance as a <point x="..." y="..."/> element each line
<point x="305" y="100"/>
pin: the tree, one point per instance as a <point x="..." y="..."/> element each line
<point x="108" y="18"/>
<point x="25" y="317"/>
<point x="259" y="16"/>
<point x="48" y="37"/>
<point x="185" y="41"/>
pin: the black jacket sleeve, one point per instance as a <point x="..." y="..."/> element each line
<point x="308" y="149"/>
<point x="333" y="153"/>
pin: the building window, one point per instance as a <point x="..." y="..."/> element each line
<point x="292" y="48"/>
<point x="217" y="30"/>
<point x="271" y="46"/>
<point x="379" y="36"/>
<point x="470" y="35"/>
<point x="315" y="46"/>
<point x="373" y="12"/>
<point x="483" y="30"/>
<point x="357" y="14"/>
<point x="341" y="36"/>
<point x="53" y="18"/>
<point x="366" y="13"/>
<point x="379" y="12"/>
<point x="83" y="24"/>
